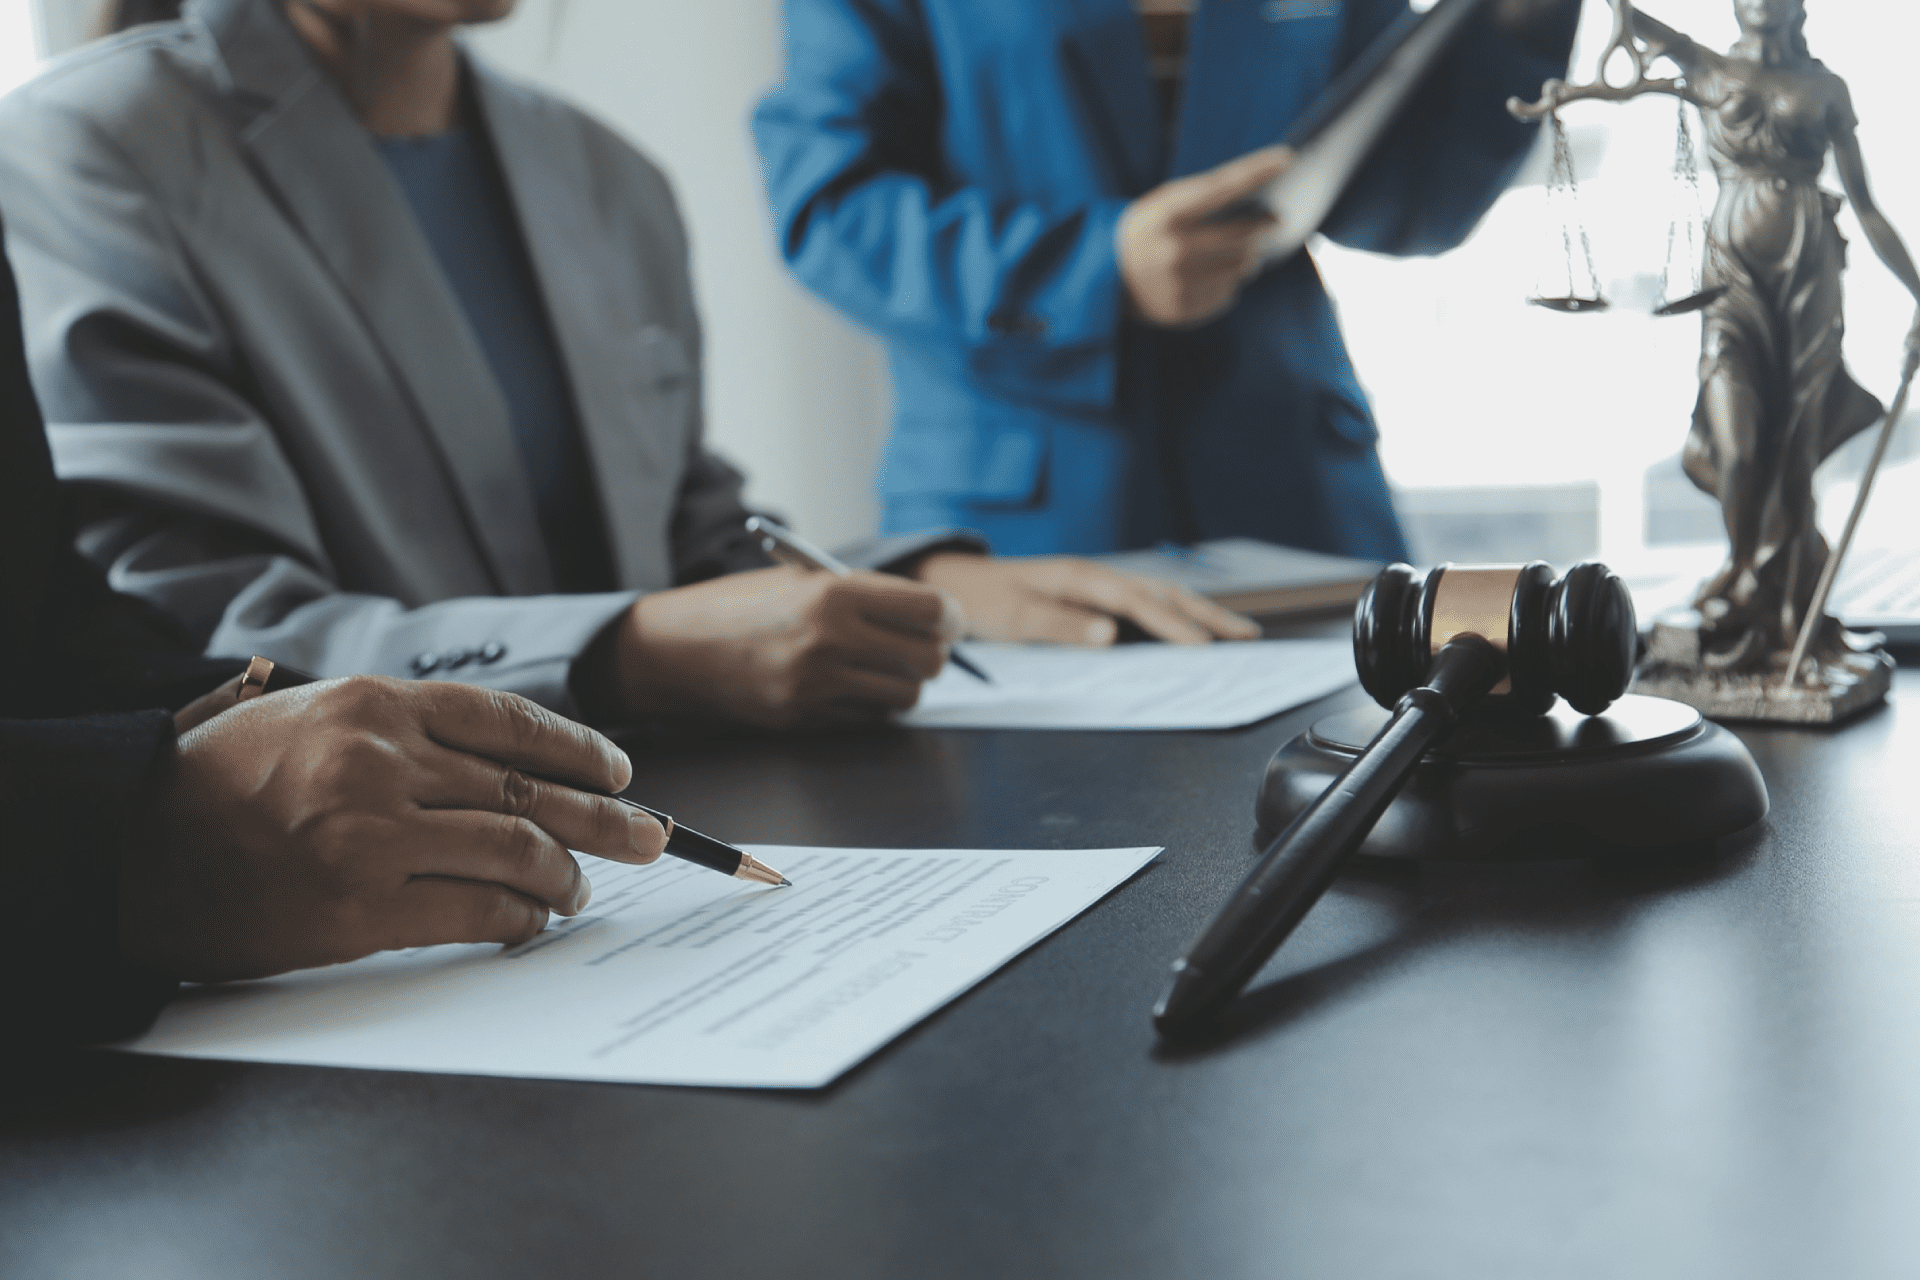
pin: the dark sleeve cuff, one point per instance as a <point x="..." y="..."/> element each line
<point x="76" y="796"/>
<point x="592" y="679"/>
<point x="902" y="553"/>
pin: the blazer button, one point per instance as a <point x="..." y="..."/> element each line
<point x="1020" y="326"/>
<point x="425" y="664"/>
<point x="492" y="651"/>
<point x="458" y="659"/>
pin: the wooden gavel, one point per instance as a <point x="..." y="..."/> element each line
<point x="1498" y="640"/>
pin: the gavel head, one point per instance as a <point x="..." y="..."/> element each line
<point x="1574" y="636"/>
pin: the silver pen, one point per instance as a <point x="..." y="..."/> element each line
<point x="788" y="547"/>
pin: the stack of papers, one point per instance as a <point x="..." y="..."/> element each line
<point x="1250" y="576"/>
<point x="1133" y="686"/>
<point x="674" y="975"/>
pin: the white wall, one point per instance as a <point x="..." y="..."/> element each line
<point x="19" y="41"/>
<point x="59" y="25"/>
<point x="796" y="397"/>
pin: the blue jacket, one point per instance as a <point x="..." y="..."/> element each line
<point x="949" y="174"/>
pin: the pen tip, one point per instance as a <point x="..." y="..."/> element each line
<point x="751" y="868"/>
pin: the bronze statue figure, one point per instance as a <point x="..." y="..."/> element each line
<point x="1775" y="397"/>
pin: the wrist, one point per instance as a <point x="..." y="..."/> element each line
<point x="945" y="557"/>
<point x="644" y="674"/>
<point x="937" y="562"/>
<point x="629" y="664"/>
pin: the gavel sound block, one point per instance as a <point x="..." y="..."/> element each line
<point x="1523" y="777"/>
<point x="1472" y="761"/>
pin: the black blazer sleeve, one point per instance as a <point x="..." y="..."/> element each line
<point x="76" y="795"/>
<point x="87" y="678"/>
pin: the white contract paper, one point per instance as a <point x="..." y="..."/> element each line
<point x="1133" y="686"/>
<point x="673" y="974"/>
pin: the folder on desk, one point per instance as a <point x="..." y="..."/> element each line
<point x="1254" y="577"/>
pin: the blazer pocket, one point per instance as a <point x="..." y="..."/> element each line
<point x="985" y="461"/>
<point x="1346" y="422"/>
<point x="661" y="363"/>
<point x="660" y="377"/>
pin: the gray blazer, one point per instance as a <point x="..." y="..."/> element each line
<point x="280" y="425"/>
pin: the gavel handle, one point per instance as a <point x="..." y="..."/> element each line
<point x="1303" y="860"/>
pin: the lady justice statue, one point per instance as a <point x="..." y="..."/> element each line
<point x="1775" y="398"/>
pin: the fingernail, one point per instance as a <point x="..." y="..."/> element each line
<point x="643" y="842"/>
<point x="586" y="896"/>
<point x="1100" y="631"/>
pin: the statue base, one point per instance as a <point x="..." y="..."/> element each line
<point x="1674" y="669"/>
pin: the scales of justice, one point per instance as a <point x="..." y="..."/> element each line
<point x="1775" y="396"/>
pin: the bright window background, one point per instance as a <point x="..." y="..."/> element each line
<point x="1501" y="420"/>
<point x="19" y="48"/>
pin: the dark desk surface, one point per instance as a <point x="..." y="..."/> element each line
<point x="1698" y="1070"/>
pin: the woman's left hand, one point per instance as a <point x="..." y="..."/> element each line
<point x="1067" y="600"/>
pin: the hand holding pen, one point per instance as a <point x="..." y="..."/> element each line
<point x="789" y="548"/>
<point x="365" y="814"/>
<point x="264" y="676"/>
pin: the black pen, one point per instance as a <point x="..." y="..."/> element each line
<point x="788" y="547"/>
<point x="263" y="675"/>
<point x="705" y="851"/>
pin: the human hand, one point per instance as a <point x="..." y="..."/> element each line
<point x="328" y="822"/>
<point x="1181" y="269"/>
<point x="207" y="706"/>
<point x="783" y="648"/>
<point x="1066" y="600"/>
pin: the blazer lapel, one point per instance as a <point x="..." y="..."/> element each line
<point x="1252" y="68"/>
<point x="330" y="180"/>
<point x="1105" y="53"/>
<point x="603" y="338"/>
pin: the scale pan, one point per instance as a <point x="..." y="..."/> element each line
<point x="1572" y="306"/>
<point x="1693" y="302"/>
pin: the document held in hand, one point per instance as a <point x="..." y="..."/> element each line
<point x="1338" y="133"/>
<point x="673" y="975"/>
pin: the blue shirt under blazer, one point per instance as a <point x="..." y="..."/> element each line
<point x="949" y="174"/>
